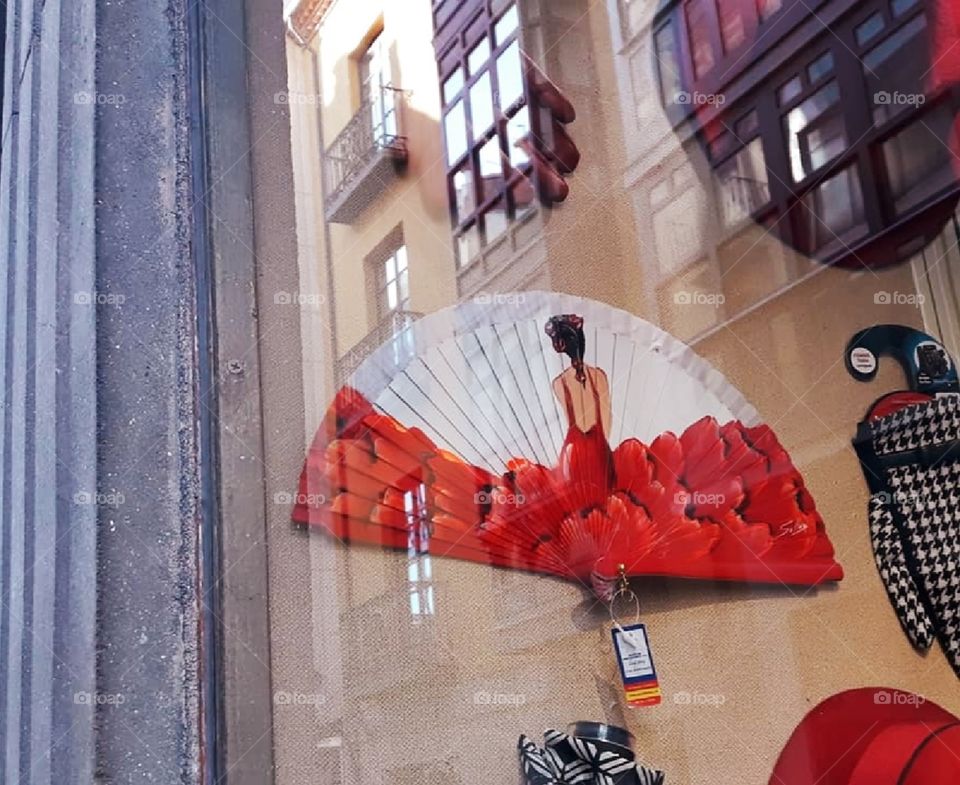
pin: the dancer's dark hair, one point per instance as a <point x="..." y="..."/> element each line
<point x="566" y="332"/>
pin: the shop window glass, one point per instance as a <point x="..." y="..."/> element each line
<point x="834" y="210"/>
<point x="815" y="132"/>
<point x="918" y="163"/>
<point x="895" y="71"/>
<point x="743" y="184"/>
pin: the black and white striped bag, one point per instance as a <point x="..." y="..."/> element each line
<point x="571" y="760"/>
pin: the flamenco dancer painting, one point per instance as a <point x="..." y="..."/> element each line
<point x="424" y="451"/>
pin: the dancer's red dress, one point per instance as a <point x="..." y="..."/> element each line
<point x="717" y="502"/>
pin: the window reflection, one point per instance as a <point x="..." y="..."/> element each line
<point x="463" y="192"/>
<point x="668" y="64"/>
<point x="743" y="184"/>
<point x="481" y="105"/>
<point x="478" y="56"/>
<point x="834" y="211"/>
<point x="895" y="73"/>
<point x="919" y="164"/>
<point x="870" y="29"/>
<point x="510" y="76"/>
<point x="491" y="168"/>
<point x="419" y="566"/>
<point x="768" y="8"/>
<point x="518" y="127"/>
<point x="455" y="131"/>
<point x="732" y="26"/>
<point x="453" y="84"/>
<point x="505" y="26"/>
<point x="698" y="24"/>
<point x="816" y="132"/>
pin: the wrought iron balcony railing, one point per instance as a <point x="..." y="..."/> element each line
<point x="360" y="159"/>
<point x="395" y="327"/>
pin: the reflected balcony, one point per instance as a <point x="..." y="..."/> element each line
<point x="366" y="157"/>
<point x="394" y="328"/>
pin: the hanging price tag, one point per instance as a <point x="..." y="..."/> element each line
<point x="632" y="648"/>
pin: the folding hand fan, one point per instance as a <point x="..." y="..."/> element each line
<point x="483" y="432"/>
<point x="909" y="447"/>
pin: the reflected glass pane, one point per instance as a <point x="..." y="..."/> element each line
<point x="453" y="85"/>
<point x="455" y="132"/>
<point x="867" y="31"/>
<point x="478" y="56"/>
<point x="820" y="67"/>
<point x="510" y="76"/>
<point x="768" y="8"/>
<point x="495" y="222"/>
<point x="732" y="24"/>
<point x="468" y="245"/>
<point x="481" y="105"/>
<point x="699" y="25"/>
<point x="518" y="130"/>
<point x="815" y="132"/>
<point x="918" y="162"/>
<point x="895" y="71"/>
<point x="506" y="25"/>
<point x="748" y="125"/>
<point x="523" y="196"/>
<point x="790" y="90"/>
<point x="743" y="184"/>
<point x="463" y="192"/>
<point x="900" y="7"/>
<point x="491" y="167"/>
<point x="834" y="210"/>
<point x="668" y="66"/>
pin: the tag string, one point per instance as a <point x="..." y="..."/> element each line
<point x="624" y="591"/>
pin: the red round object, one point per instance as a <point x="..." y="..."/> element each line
<point x="872" y="736"/>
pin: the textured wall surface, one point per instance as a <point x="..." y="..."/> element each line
<point x="98" y="529"/>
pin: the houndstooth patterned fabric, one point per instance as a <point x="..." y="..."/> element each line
<point x="569" y="760"/>
<point x="915" y="523"/>
<point x="916" y="426"/>
<point x="901" y="588"/>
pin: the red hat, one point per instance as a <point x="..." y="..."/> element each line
<point x="872" y="736"/>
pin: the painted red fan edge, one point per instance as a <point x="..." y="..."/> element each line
<point x="720" y="502"/>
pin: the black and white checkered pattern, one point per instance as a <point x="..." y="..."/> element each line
<point x="915" y="523"/>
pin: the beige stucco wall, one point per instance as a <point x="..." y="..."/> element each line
<point x="390" y="701"/>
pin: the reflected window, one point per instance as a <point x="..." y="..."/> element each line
<point x="820" y="67"/>
<point x="743" y="184"/>
<point x="668" y="64"/>
<point x="789" y="90"/>
<point x="394" y="290"/>
<point x="733" y="29"/>
<point x="815" y="132"/>
<point x="867" y="31"/>
<point x="487" y="129"/>
<point x="419" y="566"/>
<point x="455" y="132"/>
<point x="510" y="77"/>
<point x="900" y="7"/>
<point x="767" y="8"/>
<point x="481" y="105"/>
<point x="895" y="71"/>
<point x="834" y="211"/>
<point x="700" y="32"/>
<point x="919" y="165"/>
<point x="464" y="197"/>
